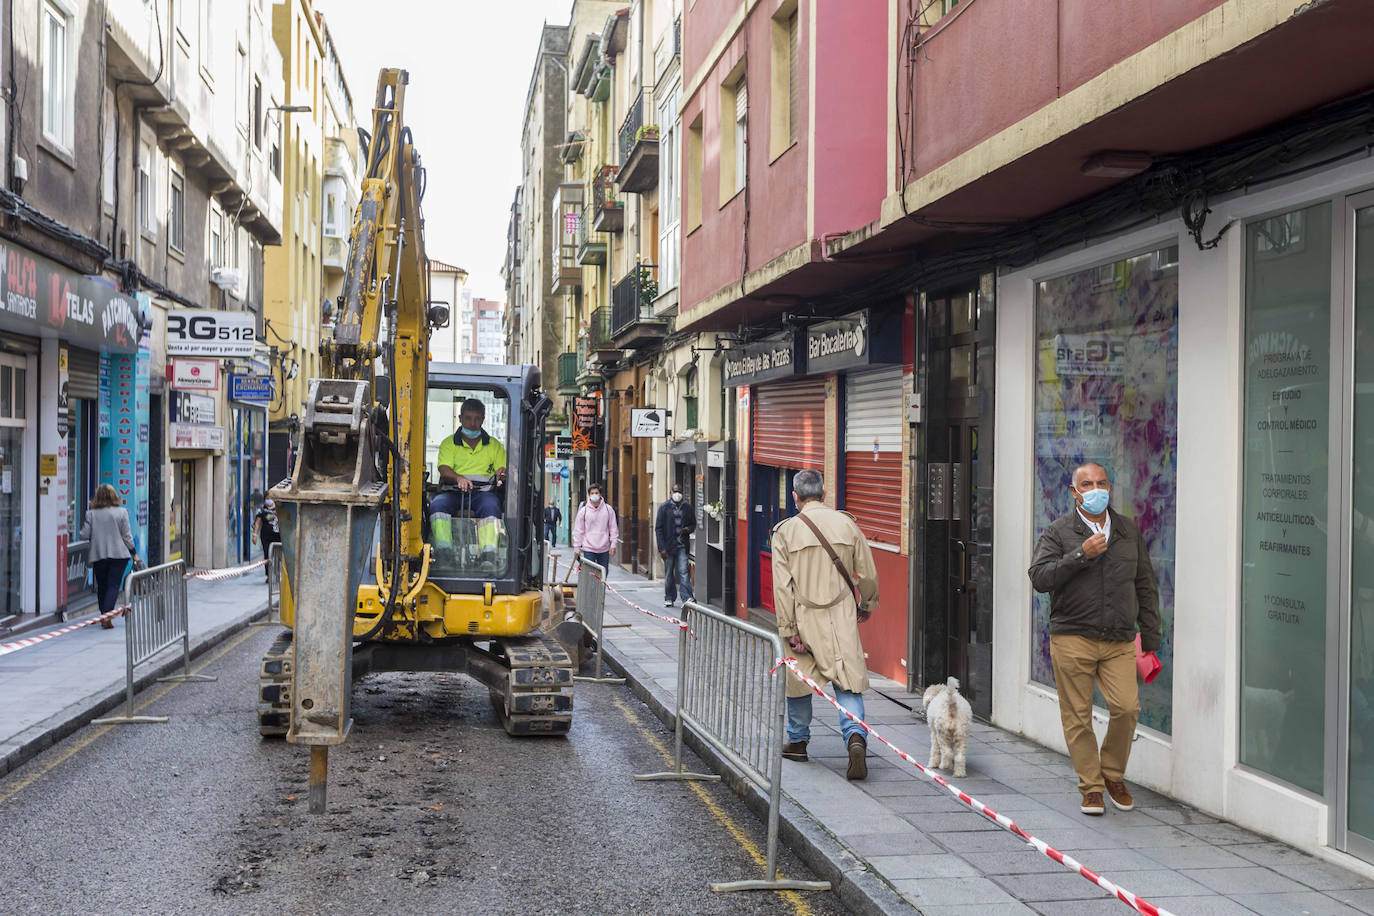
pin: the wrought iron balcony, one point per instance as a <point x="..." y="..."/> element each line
<point x="633" y="323"/>
<point x="608" y="210"/>
<point x="599" y="330"/>
<point x="591" y="245"/>
<point x="638" y="150"/>
<point x="569" y="365"/>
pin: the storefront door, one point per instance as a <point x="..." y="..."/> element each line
<point x="1359" y="737"/>
<point x="13" y="394"/>
<point x="179" y="536"/>
<point x="957" y="631"/>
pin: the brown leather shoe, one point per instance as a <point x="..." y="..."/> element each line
<point x="858" y="750"/>
<point x="1092" y="803"/>
<point x="107" y="624"/>
<point x="1120" y="795"/>
<point x="795" y="750"/>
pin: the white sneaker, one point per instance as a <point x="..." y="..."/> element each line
<point x="668" y="603"/>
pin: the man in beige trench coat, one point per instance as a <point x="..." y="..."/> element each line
<point x="817" y="614"/>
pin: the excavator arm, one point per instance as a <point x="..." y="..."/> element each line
<point x="358" y="440"/>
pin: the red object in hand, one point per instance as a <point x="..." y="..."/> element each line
<point x="1147" y="663"/>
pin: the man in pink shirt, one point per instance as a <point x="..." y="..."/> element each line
<point x="594" y="531"/>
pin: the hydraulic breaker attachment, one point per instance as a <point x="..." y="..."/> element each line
<point x="328" y="509"/>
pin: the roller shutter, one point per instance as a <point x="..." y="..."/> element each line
<point x="873" y="476"/>
<point x="789" y="424"/>
<point x="83" y="374"/>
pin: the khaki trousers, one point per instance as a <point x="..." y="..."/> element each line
<point x="1079" y="663"/>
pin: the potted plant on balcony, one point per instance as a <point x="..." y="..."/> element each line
<point x="647" y="132"/>
<point x="648" y="286"/>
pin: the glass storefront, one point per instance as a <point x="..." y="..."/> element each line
<point x="1285" y="513"/>
<point x="1107" y="392"/>
<point x="13" y="424"/>
<point x="1360" y="755"/>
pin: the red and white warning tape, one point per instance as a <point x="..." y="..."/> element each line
<point x="214" y="575"/>
<point x="1140" y="906"/>
<point x="8" y="647"/>
<point x="205" y="575"/>
<point x="643" y="610"/>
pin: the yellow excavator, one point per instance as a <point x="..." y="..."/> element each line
<point x="375" y="577"/>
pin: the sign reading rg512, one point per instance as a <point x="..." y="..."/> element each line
<point x="201" y="332"/>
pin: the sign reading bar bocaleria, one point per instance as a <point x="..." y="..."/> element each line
<point x="44" y="299"/>
<point x="864" y="338"/>
<point x="764" y="360"/>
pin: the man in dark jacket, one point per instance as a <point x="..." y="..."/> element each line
<point x="553" y="516"/>
<point x="675" y="522"/>
<point x="1095" y="566"/>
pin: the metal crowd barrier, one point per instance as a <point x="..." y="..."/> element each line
<point x="730" y="700"/>
<point x="155" y="618"/>
<point x="274" y="568"/>
<point x="591" y="605"/>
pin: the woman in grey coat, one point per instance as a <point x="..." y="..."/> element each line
<point x="106" y="526"/>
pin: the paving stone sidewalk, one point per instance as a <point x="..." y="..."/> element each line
<point x="55" y="687"/>
<point x="942" y="858"/>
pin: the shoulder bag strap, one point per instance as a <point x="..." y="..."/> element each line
<point x="834" y="557"/>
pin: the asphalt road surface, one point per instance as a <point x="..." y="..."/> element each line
<point x="432" y="809"/>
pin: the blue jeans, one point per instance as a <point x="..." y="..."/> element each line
<point x="677" y="577"/>
<point x="551" y="533"/>
<point x="452" y="502"/>
<point x="602" y="559"/>
<point x="799" y="715"/>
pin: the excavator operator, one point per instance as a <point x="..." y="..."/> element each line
<point x="473" y="463"/>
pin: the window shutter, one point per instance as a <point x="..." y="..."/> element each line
<point x="873" y="476"/>
<point x="83" y="374"/>
<point x="741" y="100"/>
<point x="789" y="424"/>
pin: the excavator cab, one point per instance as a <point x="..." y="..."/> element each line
<point x="484" y="529"/>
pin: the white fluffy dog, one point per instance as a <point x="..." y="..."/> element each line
<point x="948" y="715"/>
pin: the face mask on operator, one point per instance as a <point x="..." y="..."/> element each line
<point x="471" y="433"/>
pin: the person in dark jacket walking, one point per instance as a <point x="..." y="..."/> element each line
<point x="552" y="518"/>
<point x="1094" y="564"/>
<point x="106" y="526"/>
<point x="267" y="530"/>
<point x="673" y="526"/>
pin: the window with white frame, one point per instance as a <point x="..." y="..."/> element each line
<point x="257" y="114"/>
<point x="741" y="133"/>
<point x="241" y="89"/>
<point x="109" y="151"/>
<point x="59" y="104"/>
<point x="670" y="207"/>
<point x="176" y="210"/>
<point x="207" y="44"/>
<point x="216" y="236"/>
<point x="147" y="191"/>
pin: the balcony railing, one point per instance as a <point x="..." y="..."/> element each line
<point x="632" y="309"/>
<point x="567" y="207"/>
<point x="569" y="365"/>
<point x="599" y="330"/>
<point x="608" y="211"/>
<point x="591" y="245"/>
<point x="638" y="148"/>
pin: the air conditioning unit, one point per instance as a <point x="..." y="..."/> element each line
<point x="226" y="278"/>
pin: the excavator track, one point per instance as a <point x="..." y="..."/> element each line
<point x="536" y="698"/>
<point x="274" y="688"/>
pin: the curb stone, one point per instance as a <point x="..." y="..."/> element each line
<point x="860" y="890"/>
<point x="37" y="738"/>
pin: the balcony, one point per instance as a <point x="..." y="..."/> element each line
<point x="335" y="254"/>
<point x="633" y="323"/>
<point x="591" y="246"/>
<point x="567" y="206"/>
<point x="638" y="150"/>
<point x="572" y="147"/>
<point x="608" y="211"/>
<point x="569" y="366"/>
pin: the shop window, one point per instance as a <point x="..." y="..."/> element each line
<point x="1285" y="516"/>
<point x="1107" y="391"/>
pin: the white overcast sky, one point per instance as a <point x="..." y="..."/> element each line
<point x="470" y="63"/>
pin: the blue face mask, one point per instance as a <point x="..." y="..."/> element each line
<point x="471" y="433"/>
<point x="1095" y="501"/>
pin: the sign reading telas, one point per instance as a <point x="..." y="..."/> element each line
<point x="203" y="332"/>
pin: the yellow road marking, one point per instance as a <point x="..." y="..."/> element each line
<point x="10" y="791"/>
<point x="760" y="857"/>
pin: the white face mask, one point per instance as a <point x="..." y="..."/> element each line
<point x="677" y="497"/>
<point x="594" y="499"/>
